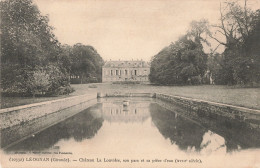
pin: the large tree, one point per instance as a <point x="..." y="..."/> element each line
<point x="239" y="27"/>
<point x="86" y="63"/>
<point x="183" y="62"/>
<point x="27" y="39"/>
<point x="30" y="51"/>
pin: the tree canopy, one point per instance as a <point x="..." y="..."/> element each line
<point x="27" y="39"/>
<point x="183" y="62"/>
<point x="33" y="62"/>
<point x="85" y="62"/>
<point x="240" y="62"/>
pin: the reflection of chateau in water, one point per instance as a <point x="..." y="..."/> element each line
<point x="117" y="112"/>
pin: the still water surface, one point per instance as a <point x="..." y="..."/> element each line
<point x="141" y="128"/>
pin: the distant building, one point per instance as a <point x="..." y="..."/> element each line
<point x="114" y="71"/>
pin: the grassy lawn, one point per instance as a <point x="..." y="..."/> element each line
<point x="18" y="101"/>
<point x="246" y="97"/>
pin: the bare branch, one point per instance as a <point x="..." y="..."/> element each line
<point x="217" y="26"/>
<point x="215" y="49"/>
<point x="222" y="21"/>
<point x="220" y="42"/>
<point x="239" y="23"/>
<point x="220" y="32"/>
<point x="246" y="24"/>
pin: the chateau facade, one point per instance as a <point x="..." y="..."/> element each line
<point x="116" y="112"/>
<point x="114" y="71"/>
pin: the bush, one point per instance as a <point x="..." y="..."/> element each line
<point x="64" y="90"/>
<point x="39" y="82"/>
<point x="14" y="80"/>
<point x="57" y="78"/>
<point x="196" y="80"/>
<point x="29" y="81"/>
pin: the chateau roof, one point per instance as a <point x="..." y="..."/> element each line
<point x="127" y="64"/>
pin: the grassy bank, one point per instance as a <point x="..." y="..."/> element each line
<point x="246" y="97"/>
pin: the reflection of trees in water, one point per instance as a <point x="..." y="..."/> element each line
<point x="236" y="133"/>
<point x="81" y="126"/>
<point x="186" y="133"/>
<point x="181" y="132"/>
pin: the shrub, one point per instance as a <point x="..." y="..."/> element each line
<point x="196" y="80"/>
<point x="64" y="90"/>
<point x="32" y="81"/>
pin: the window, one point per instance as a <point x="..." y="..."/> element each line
<point x="116" y="72"/>
<point x="135" y="72"/>
<point x="125" y="72"/>
<point x="145" y="72"/>
<point x="111" y="72"/>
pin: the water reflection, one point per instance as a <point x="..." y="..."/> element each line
<point x="204" y="131"/>
<point x="118" y="112"/>
<point x="81" y="126"/>
<point x="182" y="132"/>
<point x="212" y="142"/>
<point x="142" y="126"/>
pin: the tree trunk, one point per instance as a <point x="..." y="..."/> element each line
<point x="81" y="79"/>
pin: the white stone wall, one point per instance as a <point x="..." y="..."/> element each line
<point x="15" y="115"/>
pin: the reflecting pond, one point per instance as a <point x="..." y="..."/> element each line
<point x="142" y="126"/>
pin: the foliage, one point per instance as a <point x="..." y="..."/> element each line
<point x="28" y="81"/>
<point x="240" y="27"/>
<point x="27" y="38"/>
<point x="183" y="62"/>
<point x="14" y="79"/>
<point x="31" y="62"/>
<point x="214" y="68"/>
<point x="83" y="61"/>
<point x="39" y="82"/>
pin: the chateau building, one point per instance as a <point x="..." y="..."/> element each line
<point x="114" y="71"/>
<point x="116" y="112"/>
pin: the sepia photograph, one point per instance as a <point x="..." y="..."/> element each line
<point x="129" y="83"/>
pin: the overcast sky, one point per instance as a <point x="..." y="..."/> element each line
<point x="126" y="29"/>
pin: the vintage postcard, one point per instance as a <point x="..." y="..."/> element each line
<point x="130" y="83"/>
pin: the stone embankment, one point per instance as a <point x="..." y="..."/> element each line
<point x="16" y="115"/>
<point x="230" y="111"/>
<point x="202" y="106"/>
<point x="17" y="123"/>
